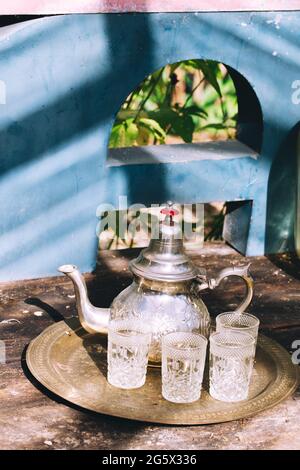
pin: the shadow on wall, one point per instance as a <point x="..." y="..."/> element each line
<point x="282" y="196"/>
<point x="54" y="128"/>
<point x="250" y="118"/>
<point x="54" y="134"/>
<point x="8" y="20"/>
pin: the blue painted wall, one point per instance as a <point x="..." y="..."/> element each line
<point x="67" y="76"/>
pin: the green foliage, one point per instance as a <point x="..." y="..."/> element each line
<point x="181" y="102"/>
<point x="188" y="101"/>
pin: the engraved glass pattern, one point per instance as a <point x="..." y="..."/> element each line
<point x="231" y="364"/>
<point x="183" y="360"/>
<point x="243" y="322"/>
<point x="128" y="349"/>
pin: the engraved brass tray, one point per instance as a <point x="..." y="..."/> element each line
<point x="72" y="363"/>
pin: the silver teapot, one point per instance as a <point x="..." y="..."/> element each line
<point x="164" y="294"/>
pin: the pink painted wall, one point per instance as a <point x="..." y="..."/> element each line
<point x="95" y="6"/>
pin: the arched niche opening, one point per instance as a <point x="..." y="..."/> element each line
<point x="191" y="111"/>
<point x="189" y="102"/>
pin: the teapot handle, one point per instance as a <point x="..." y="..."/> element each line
<point x="239" y="271"/>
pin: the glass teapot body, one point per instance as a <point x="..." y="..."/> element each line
<point x="164" y="295"/>
<point x="162" y="308"/>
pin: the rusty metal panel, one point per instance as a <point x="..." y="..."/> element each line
<point x="237" y="224"/>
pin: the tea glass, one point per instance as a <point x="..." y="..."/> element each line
<point x="127" y="354"/>
<point x="234" y="321"/>
<point x="230" y="365"/>
<point x="183" y="361"/>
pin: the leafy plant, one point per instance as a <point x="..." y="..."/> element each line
<point x="181" y="102"/>
<point x="188" y="101"/>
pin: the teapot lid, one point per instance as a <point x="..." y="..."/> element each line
<point x="165" y="259"/>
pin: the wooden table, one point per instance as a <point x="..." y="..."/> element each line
<point x="32" y="418"/>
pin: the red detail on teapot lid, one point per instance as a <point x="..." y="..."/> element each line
<point x="170" y="212"/>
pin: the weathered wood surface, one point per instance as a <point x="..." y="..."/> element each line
<point x="121" y="6"/>
<point x="31" y="418"/>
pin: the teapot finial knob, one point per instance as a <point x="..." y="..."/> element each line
<point x="169" y="210"/>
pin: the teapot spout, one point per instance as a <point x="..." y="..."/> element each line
<point x="93" y="319"/>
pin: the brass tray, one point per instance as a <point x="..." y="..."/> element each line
<point x="72" y="364"/>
